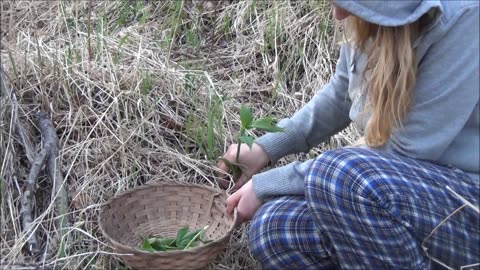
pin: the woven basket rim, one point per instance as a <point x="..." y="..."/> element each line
<point x="163" y="253"/>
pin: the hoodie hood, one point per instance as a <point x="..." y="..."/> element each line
<point x="391" y="12"/>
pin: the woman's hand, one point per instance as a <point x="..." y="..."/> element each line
<point x="251" y="161"/>
<point x="246" y="202"/>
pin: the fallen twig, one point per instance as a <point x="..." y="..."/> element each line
<point x="18" y="266"/>
<point x="465" y="204"/>
<point x="89" y="25"/>
<point x="25" y="140"/>
<point x="463" y="200"/>
<point x="50" y="144"/>
<point x="27" y="200"/>
<point x="26" y="210"/>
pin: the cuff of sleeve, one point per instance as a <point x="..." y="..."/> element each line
<point x="286" y="180"/>
<point x="280" y="144"/>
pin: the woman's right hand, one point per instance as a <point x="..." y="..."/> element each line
<point x="251" y="161"/>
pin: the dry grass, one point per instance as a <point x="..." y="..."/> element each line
<point x="130" y="94"/>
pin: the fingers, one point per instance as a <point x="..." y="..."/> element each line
<point x="241" y="181"/>
<point x="229" y="156"/>
<point x="223" y="183"/>
<point x="245" y="201"/>
<point x="235" y="203"/>
<point x="232" y="202"/>
<point x="222" y="166"/>
<point x="222" y="179"/>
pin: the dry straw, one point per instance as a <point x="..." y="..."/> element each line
<point x="138" y="91"/>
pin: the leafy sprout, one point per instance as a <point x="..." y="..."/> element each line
<point x="184" y="240"/>
<point x="248" y="122"/>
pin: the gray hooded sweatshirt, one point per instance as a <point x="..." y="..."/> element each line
<point x="443" y="124"/>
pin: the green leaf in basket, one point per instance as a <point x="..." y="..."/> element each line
<point x="180" y="235"/>
<point x="162" y="244"/>
<point x="183" y="240"/>
<point x="187" y="238"/>
<point x="196" y="237"/>
<point x="192" y="245"/>
<point x="147" y="246"/>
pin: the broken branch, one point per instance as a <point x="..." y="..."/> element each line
<point x="27" y="200"/>
<point x="50" y="144"/>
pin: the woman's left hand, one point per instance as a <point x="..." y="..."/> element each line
<point x="246" y="202"/>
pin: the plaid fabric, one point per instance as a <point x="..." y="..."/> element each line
<point x="283" y="236"/>
<point x="372" y="211"/>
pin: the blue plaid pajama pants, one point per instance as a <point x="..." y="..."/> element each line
<point x="368" y="210"/>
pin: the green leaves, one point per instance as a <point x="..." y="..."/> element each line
<point x="248" y="123"/>
<point x="180" y="234"/>
<point x="183" y="241"/>
<point x="147" y="246"/>
<point x="246" y="117"/>
<point x="154" y="244"/>
<point x="248" y="140"/>
<point x="266" y="124"/>
<point x="263" y="124"/>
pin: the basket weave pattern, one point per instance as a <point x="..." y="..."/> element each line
<point x="160" y="209"/>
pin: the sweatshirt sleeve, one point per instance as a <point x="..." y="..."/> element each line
<point x="445" y="96"/>
<point x="326" y="114"/>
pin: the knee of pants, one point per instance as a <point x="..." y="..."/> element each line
<point x="341" y="173"/>
<point x="258" y="235"/>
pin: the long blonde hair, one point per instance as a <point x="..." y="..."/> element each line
<point x="391" y="68"/>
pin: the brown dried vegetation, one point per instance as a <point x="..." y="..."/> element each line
<point x="143" y="91"/>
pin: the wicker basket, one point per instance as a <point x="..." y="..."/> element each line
<point x="160" y="209"/>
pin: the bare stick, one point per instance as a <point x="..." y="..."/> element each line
<point x="425" y="249"/>
<point x="28" y="195"/>
<point x="18" y="266"/>
<point x="50" y="144"/>
<point x="27" y="200"/>
<point x="463" y="200"/>
<point x="6" y="87"/>
<point x="89" y="25"/>
<point x="22" y="133"/>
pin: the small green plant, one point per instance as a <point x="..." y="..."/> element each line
<point x="249" y="123"/>
<point x="117" y="53"/>
<point x="176" y="10"/>
<point x="146" y="84"/>
<point x="227" y="24"/>
<point x="204" y="131"/>
<point x="124" y="13"/>
<point x="192" y="37"/>
<point x="183" y="241"/>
